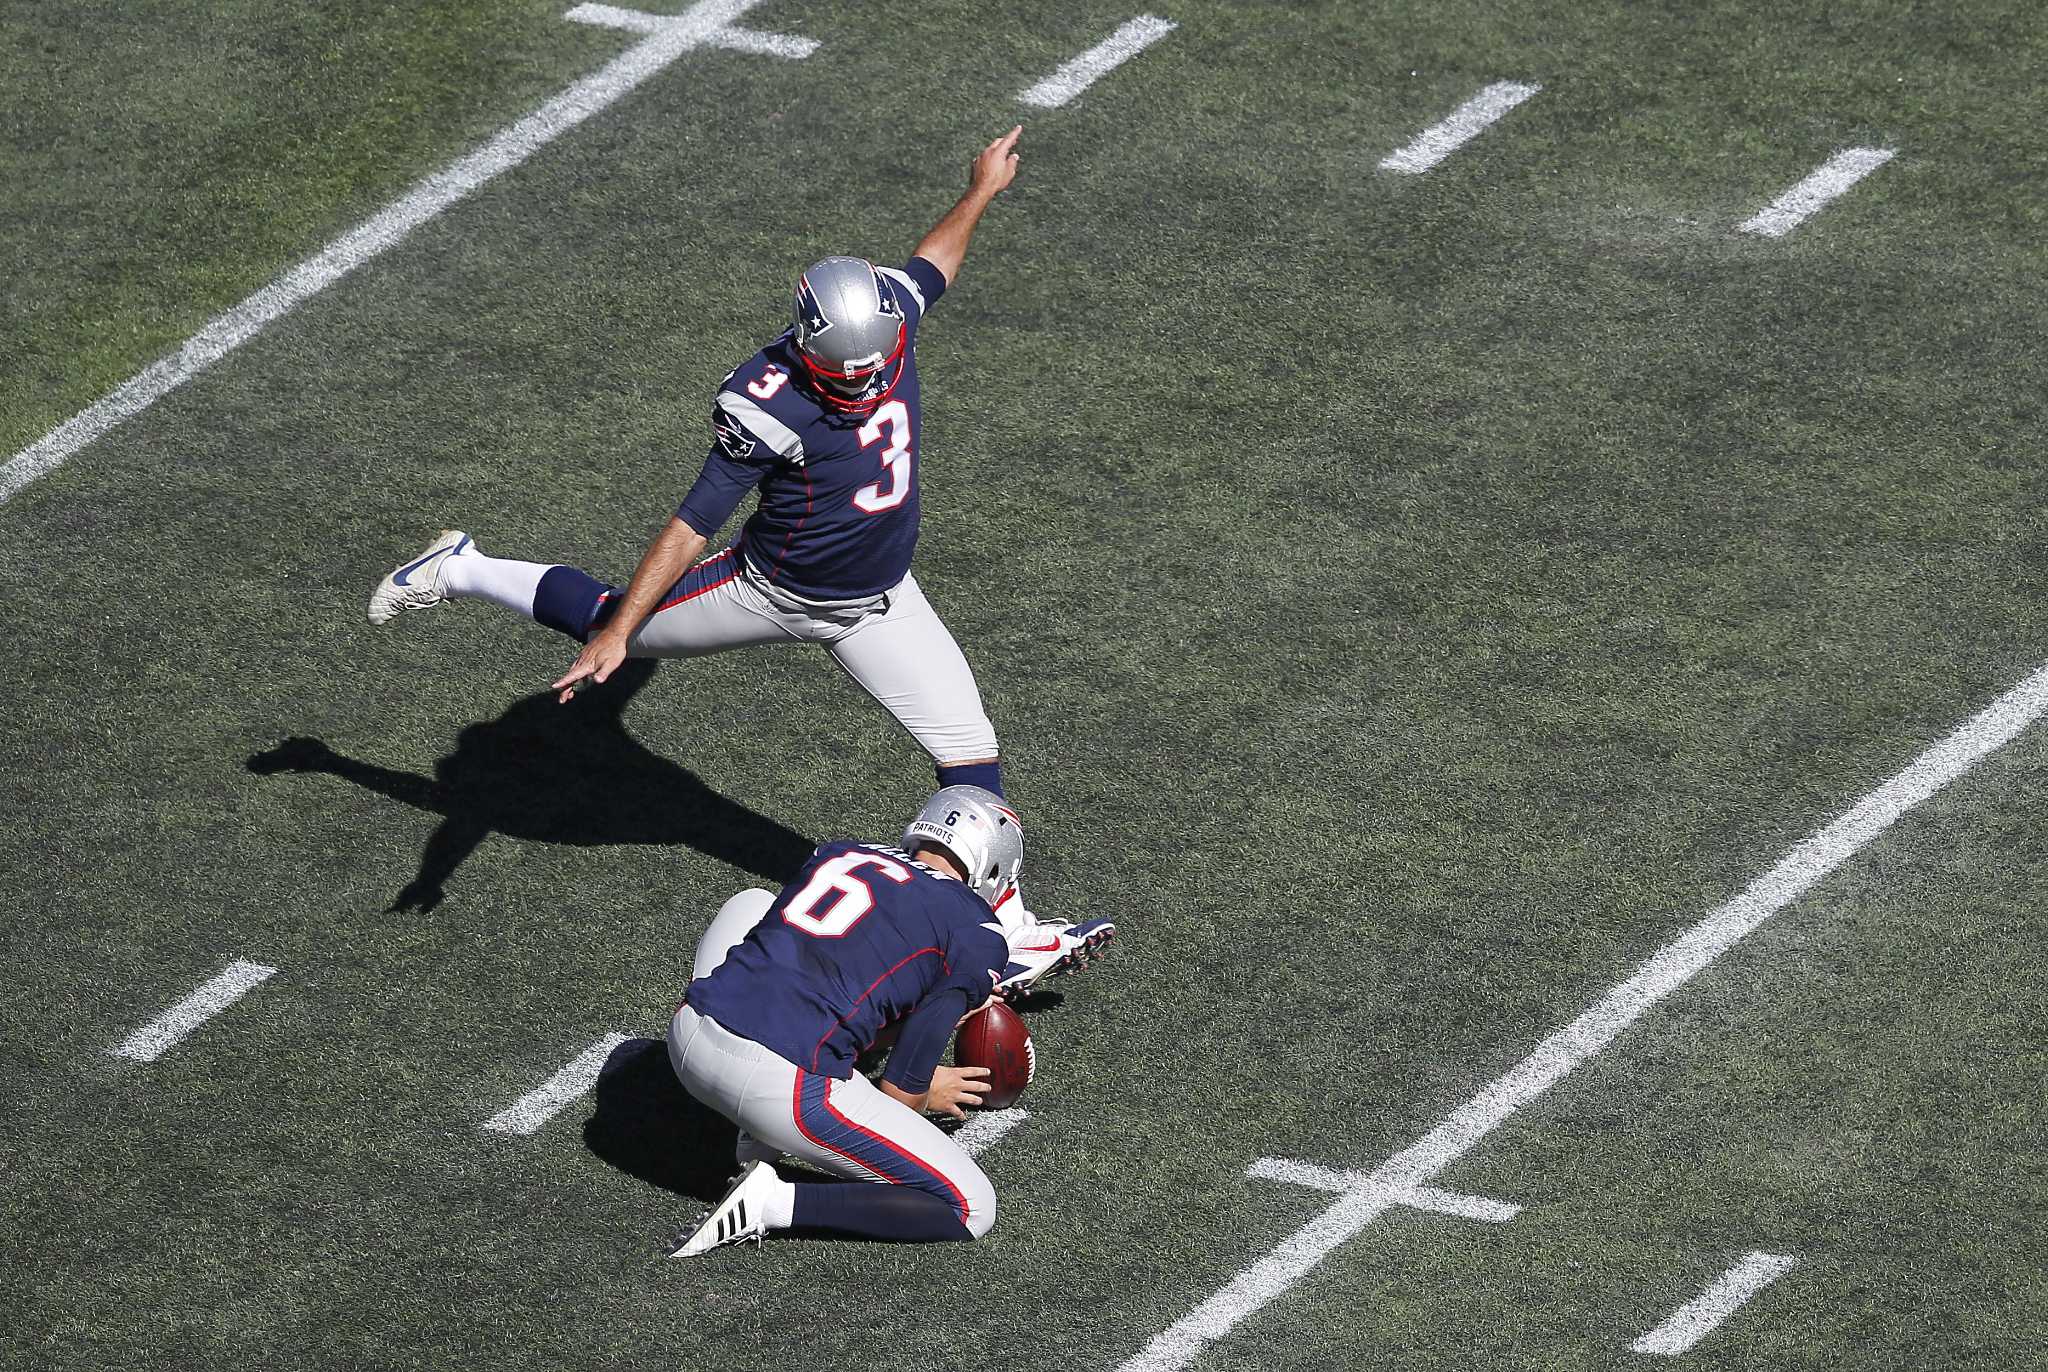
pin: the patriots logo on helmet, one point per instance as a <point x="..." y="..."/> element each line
<point x="808" y="310"/>
<point x="885" y="292"/>
<point x="738" y="444"/>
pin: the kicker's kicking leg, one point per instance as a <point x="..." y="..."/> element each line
<point x="910" y="663"/>
<point x="709" y="609"/>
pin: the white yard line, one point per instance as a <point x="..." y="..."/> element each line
<point x="157" y="1037"/>
<point x="1701" y="1316"/>
<point x="1466" y="123"/>
<point x="1099" y="61"/>
<point x="1578" y="1042"/>
<point x="986" y="1130"/>
<point x="613" y="17"/>
<point x="534" y="1109"/>
<point x="1415" y="1198"/>
<point x="1831" y="179"/>
<point x="703" y="24"/>
<point x="733" y="40"/>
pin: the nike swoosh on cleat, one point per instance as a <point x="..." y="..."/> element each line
<point x="398" y="578"/>
<point x="1052" y="947"/>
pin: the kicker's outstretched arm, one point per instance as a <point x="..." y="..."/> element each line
<point x="945" y="247"/>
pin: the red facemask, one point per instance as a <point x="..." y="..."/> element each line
<point x="832" y="387"/>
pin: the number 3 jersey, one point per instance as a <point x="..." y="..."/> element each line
<point x="839" y="508"/>
<point x="861" y="938"/>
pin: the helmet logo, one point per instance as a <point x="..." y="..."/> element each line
<point x="885" y="296"/>
<point x="808" y="309"/>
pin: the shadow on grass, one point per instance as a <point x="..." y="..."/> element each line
<point x="557" y="774"/>
<point x="649" y="1127"/>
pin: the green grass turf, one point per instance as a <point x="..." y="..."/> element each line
<point x="163" y="159"/>
<point x="1406" y="602"/>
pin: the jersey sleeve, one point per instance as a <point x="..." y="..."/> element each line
<point x="918" y="285"/>
<point x="740" y="459"/>
<point x="977" y="952"/>
<point x="928" y="1029"/>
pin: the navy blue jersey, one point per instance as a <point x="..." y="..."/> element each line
<point x="862" y="937"/>
<point x="839" y="508"/>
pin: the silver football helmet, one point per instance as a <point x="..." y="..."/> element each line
<point x="982" y="834"/>
<point x="849" y="332"/>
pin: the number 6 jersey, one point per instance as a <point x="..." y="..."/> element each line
<point x="862" y="937"/>
<point x="839" y="509"/>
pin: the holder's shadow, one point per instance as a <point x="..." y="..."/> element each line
<point x="649" y="1127"/>
<point x="557" y="774"/>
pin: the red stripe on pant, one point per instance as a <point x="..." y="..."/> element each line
<point x="683" y="590"/>
<point x="885" y="1156"/>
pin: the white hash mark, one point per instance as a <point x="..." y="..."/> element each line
<point x="534" y="1109"/>
<point x="1827" y="181"/>
<point x="987" y="1129"/>
<point x="1099" y="61"/>
<point x="1428" y="1198"/>
<point x="1703" y="1314"/>
<point x="1466" y="123"/>
<point x="157" y="1037"/>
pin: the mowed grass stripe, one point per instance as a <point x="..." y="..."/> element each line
<point x="1572" y="1046"/>
<point x="426" y="200"/>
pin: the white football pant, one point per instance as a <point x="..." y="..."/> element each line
<point x="894" y="645"/>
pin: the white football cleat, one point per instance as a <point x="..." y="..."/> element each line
<point x="416" y="585"/>
<point x="1045" y="947"/>
<point x="740" y="1217"/>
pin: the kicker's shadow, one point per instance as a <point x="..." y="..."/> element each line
<point x="557" y="774"/>
<point x="649" y="1127"/>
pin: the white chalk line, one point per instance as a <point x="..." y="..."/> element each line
<point x="1130" y="39"/>
<point x="987" y="1129"/>
<point x="613" y="17"/>
<point x="1705" y="1313"/>
<point x="1572" y="1046"/>
<point x="1466" y="123"/>
<point x="733" y="40"/>
<point x="161" y="1034"/>
<point x="534" y="1109"/>
<point x="1826" y="182"/>
<point x="703" y="24"/>
<point x="1428" y="1198"/>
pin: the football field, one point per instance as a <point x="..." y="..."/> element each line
<point x="1504" y="543"/>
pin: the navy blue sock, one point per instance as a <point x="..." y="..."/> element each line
<point x="987" y="775"/>
<point x="567" y="599"/>
<point x="873" y="1210"/>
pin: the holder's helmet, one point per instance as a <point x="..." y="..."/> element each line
<point x="849" y="333"/>
<point x="980" y="832"/>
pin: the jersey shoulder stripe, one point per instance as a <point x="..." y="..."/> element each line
<point x="772" y="431"/>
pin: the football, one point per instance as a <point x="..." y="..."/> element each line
<point x="997" y="1039"/>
